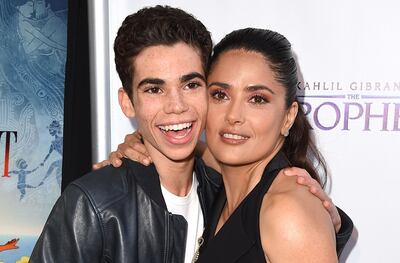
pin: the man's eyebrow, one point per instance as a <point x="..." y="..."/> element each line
<point x="155" y="81"/>
<point x="184" y="78"/>
<point x="219" y="84"/>
<point x="252" y="88"/>
<point x="191" y="76"/>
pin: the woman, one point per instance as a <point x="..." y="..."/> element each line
<point x="255" y="128"/>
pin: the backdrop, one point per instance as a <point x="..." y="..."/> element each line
<point x="349" y="60"/>
<point x="33" y="48"/>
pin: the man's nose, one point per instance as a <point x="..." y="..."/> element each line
<point x="176" y="103"/>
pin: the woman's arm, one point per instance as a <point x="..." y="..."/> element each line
<point x="295" y="226"/>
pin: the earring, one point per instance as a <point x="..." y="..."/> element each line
<point x="286" y="133"/>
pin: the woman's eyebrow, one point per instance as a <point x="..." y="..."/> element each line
<point x="219" y="84"/>
<point x="252" y="88"/>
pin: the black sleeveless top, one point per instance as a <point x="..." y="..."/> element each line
<point x="238" y="240"/>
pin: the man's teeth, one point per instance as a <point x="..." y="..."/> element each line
<point x="176" y="127"/>
<point x="234" y="136"/>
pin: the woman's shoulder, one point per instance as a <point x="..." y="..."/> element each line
<point x="292" y="220"/>
<point x="286" y="192"/>
<point x="291" y="202"/>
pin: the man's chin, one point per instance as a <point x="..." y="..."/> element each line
<point x="180" y="156"/>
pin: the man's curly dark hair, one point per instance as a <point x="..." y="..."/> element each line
<point x="158" y="25"/>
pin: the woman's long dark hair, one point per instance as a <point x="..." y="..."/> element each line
<point x="299" y="146"/>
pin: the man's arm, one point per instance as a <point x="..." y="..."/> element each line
<point x="344" y="233"/>
<point x="304" y="178"/>
<point x="341" y="221"/>
<point x="72" y="232"/>
<point x="132" y="148"/>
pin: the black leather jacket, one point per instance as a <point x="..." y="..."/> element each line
<point x="119" y="215"/>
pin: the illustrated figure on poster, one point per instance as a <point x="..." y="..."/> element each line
<point x="32" y="64"/>
<point x="36" y="34"/>
<point x="55" y="130"/>
<point x="12" y="244"/>
<point x="42" y="35"/>
<point x="22" y="173"/>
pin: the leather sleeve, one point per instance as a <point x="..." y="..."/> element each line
<point x="72" y="232"/>
<point x="345" y="231"/>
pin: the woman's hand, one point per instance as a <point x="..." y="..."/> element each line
<point x="132" y="148"/>
<point x="304" y="178"/>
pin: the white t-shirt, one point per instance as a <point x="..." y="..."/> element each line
<point x="189" y="207"/>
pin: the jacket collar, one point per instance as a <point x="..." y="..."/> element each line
<point x="205" y="173"/>
<point x="148" y="178"/>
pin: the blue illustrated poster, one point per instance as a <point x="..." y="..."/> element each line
<point x="33" y="41"/>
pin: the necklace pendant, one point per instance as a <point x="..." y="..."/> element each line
<point x="200" y="242"/>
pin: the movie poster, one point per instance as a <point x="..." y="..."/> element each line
<point x="33" y="40"/>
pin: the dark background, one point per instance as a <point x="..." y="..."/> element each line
<point x="77" y="155"/>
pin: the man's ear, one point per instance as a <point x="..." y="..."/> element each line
<point x="125" y="103"/>
<point x="291" y="114"/>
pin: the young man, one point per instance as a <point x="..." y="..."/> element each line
<point x="139" y="213"/>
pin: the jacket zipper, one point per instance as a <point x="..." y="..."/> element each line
<point x="167" y="236"/>
<point x="201" y="198"/>
<point x="202" y="205"/>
